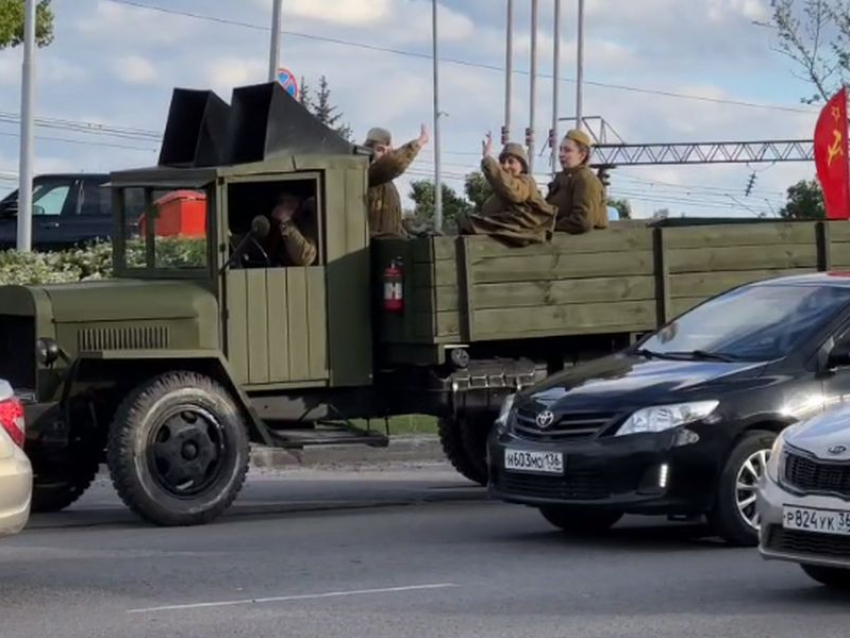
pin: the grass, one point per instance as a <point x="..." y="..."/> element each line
<point x="410" y="424"/>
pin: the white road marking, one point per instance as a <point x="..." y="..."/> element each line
<point x="280" y="599"/>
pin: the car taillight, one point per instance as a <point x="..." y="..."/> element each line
<point x="12" y="420"/>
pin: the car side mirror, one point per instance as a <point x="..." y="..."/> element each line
<point x="9" y="211"/>
<point x="839" y="356"/>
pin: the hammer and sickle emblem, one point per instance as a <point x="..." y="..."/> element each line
<point x="835" y="149"/>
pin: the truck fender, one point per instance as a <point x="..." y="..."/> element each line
<point x="126" y="364"/>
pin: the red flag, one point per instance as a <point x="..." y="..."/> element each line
<point x="831" y="157"/>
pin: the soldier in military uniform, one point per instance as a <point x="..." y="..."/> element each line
<point x="516" y="213"/>
<point x="387" y="164"/>
<point x="576" y="191"/>
<point x="292" y="240"/>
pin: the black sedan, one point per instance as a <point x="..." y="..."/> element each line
<point x="682" y="423"/>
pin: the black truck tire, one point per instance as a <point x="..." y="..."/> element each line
<point x="451" y="439"/>
<point x="56" y="486"/>
<point x="580" y="521"/>
<point x="178" y="450"/>
<point x="730" y="519"/>
<point x="835" y="578"/>
<point x="474" y="431"/>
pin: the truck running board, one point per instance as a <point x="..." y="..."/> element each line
<point x="327" y="434"/>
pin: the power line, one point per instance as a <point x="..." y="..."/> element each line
<point x="467" y="63"/>
<point x="66" y="140"/>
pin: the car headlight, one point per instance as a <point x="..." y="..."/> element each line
<point x="503" y="420"/>
<point x="774" y="462"/>
<point x="666" y="417"/>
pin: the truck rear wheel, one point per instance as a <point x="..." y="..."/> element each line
<point x="452" y="441"/>
<point x="56" y="486"/>
<point x="178" y="450"/>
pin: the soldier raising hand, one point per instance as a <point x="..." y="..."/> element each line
<point x="388" y="164"/>
<point x="516" y="212"/>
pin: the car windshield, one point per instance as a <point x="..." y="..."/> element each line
<point x="754" y="323"/>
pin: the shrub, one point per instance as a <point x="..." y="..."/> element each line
<point x="94" y="261"/>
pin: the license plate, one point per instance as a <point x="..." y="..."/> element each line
<point x="814" y="520"/>
<point x="534" y="462"/>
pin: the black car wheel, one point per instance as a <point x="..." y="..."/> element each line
<point x="832" y="577"/>
<point x="578" y="520"/>
<point x="178" y="450"/>
<point x="735" y="517"/>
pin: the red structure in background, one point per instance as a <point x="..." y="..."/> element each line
<point x="831" y="158"/>
<point x="180" y="213"/>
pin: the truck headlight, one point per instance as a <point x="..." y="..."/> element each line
<point x="666" y="417"/>
<point x="505" y="413"/>
<point x="47" y="351"/>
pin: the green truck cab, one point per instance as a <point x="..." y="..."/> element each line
<point x="193" y="351"/>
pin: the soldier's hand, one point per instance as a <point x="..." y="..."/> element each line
<point x="424" y="137"/>
<point x="487" y="145"/>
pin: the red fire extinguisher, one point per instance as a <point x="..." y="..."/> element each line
<point x="393" y="291"/>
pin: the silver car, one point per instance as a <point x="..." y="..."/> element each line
<point x="804" y="498"/>
<point x="15" y="468"/>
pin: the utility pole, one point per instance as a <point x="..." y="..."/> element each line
<point x="438" y="181"/>
<point x="580" y="71"/>
<point x="509" y="73"/>
<point x="553" y="134"/>
<point x="274" y="52"/>
<point x="529" y="135"/>
<point x="26" y="151"/>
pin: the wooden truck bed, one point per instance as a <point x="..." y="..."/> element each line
<point x="626" y="279"/>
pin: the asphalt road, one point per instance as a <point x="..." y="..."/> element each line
<point x="396" y="554"/>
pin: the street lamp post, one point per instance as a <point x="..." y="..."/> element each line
<point x="580" y="70"/>
<point x="24" y="243"/>
<point x="555" y="82"/>
<point x="274" y="52"/>
<point x="438" y="180"/>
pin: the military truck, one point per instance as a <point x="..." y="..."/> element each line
<point x="198" y="348"/>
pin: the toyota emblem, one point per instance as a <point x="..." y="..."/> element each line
<point x="835" y="449"/>
<point x="545" y="419"/>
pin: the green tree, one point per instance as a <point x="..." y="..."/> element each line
<point x="805" y="201"/>
<point x="12" y="23"/>
<point x="327" y="112"/>
<point x="624" y="208"/>
<point x="304" y="95"/>
<point x="423" y="192"/>
<point x="477" y="189"/>
<point x="815" y="35"/>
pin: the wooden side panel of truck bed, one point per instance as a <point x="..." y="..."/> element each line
<point x="628" y="278"/>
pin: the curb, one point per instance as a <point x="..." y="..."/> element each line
<point x="401" y="449"/>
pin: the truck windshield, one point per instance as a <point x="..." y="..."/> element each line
<point x="754" y="323"/>
<point x="164" y="229"/>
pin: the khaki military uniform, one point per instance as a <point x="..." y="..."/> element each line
<point x="580" y="199"/>
<point x="384" y="201"/>
<point x="289" y="244"/>
<point x="515" y="213"/>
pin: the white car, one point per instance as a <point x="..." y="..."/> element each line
<point x="804" y="498"/>
<point x="15" y="468"/>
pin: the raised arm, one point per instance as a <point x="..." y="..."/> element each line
<point x="504" y="185"/>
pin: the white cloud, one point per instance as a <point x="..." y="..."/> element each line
<point x="225" y="73"/>
<point x="135" y="69"/>
<point x="123" y="25"/>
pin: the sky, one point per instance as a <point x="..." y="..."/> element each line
<point x="114" y="63"/>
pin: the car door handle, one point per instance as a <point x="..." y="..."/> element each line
<point x="49" y="224"/>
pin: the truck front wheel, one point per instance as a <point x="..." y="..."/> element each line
<point x="178" y="450"/>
